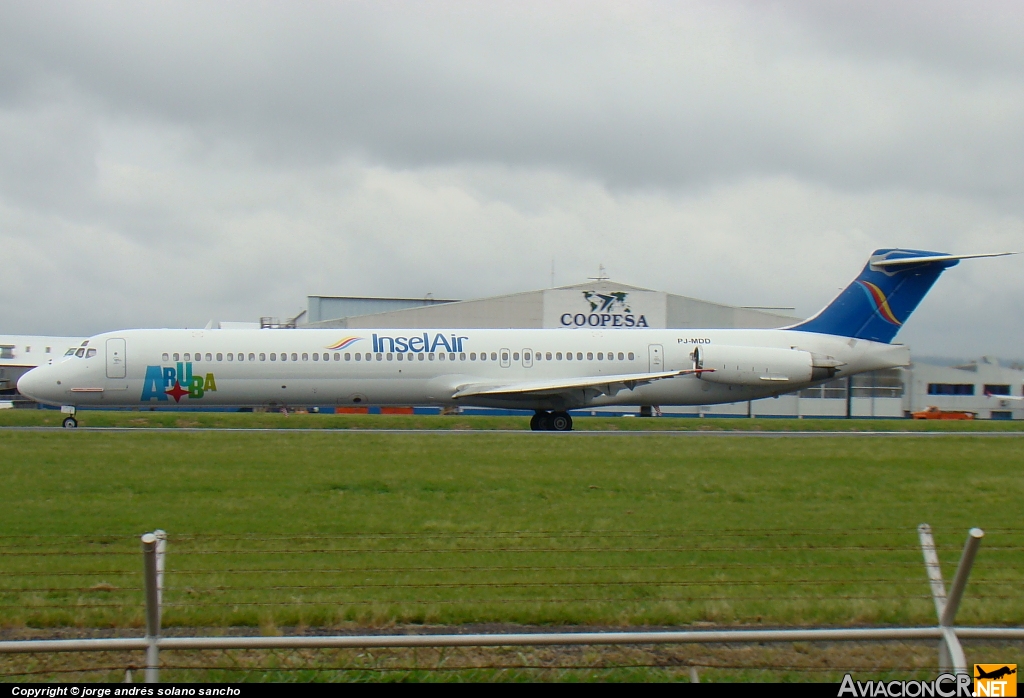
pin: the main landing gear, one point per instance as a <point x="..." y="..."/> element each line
<point x="69" y="421"/>
<point x="551" y="421"/>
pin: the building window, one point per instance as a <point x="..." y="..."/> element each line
<point x="834" y="389"/>
<point x="950" y="389"/>
<point x="997" y="389"/>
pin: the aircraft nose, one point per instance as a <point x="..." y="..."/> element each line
<point x="32" y="385"/>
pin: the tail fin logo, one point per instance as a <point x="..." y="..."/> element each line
<point x="879" y="301"/>
<point x="347" y="341"/>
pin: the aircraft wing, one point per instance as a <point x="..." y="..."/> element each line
<point x="606" y="385"/>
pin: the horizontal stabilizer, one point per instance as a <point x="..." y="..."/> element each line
<point x="608" y="385"/>
<point x="903" y="261"/>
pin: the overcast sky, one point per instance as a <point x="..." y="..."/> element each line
<point x="164" y="164"/>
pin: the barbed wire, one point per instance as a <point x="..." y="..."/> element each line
<point x="514" y="583"/>
<point x="451" y="550"/>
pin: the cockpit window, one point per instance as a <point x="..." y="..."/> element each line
<point x="70" y="352"/>
<point x="80" y="353"/>
<point x="91" y="353"/>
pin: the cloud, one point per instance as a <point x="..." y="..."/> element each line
<point x="164" y="164"/>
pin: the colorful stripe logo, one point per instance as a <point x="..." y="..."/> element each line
<point x="880" y="302"/>
<point x="348" y="341"/>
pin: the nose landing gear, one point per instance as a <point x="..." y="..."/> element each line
<point x="543" y="420"/>
<point x="69" y="421"/>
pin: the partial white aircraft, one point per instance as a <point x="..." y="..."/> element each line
<point x="548" y="371"/>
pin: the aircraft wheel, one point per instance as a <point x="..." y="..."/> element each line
<point x="545" y="422"/>
<point x="70" y="423"/>
<point x="535" y="421"/>
<point x="561" y="421"/>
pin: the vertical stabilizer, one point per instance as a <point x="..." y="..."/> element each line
<point x="882" y="297"/>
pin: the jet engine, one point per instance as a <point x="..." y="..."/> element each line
<point x="761" y="365"/>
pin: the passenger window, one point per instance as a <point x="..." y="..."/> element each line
<point x="430" y="356"/>
<point x="359" y="357"/>
<point x="295" y="357"/>
<point x="165" y="357"/>
<point x="483" y="356"/>
<point x="472" y="356"/>
<point x="284" y="356"/>
<point x="420" y="356"/>
<point x="620" y="356"/>
<point x="630" y="356"/>
<point x="568" y="356"/>
<point x="91" y="353"/>
<point x="515" y="356"/>
<point x="462" y="357"/>
<point x="547" y="356"/>
<point x="579" y="356"/>
<point x="273" y="357"/>
<point x="590" y="356"/>
<point x="231" y="357"/>
<point x="380" y="357"/>
<point x="209" y="357"/>
<point x="390" y="357"/>
<point x="441" y="356"/>
<point x="451" y="357"/>
<point x="504" y="356"/>
<point x="252" y="357"/>
<point x="348" y="357"/>
<point x="305" y="357"/>
<point x="400" y="357"/>
<point x="176" y="356"/>
<point x="316" y="356"/>
<point x="220" y="357"/>
<point x="47" y="350"/>
<point x="600" y="356"/>
<point x="337" y="357"/>
<point x="188" y="357"/>
<point x="558" y="356"/>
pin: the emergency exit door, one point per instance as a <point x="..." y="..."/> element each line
<point x="657" y="358"/>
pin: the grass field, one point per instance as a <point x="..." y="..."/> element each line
<point x="353" y="528"/>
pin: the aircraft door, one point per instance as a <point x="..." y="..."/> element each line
<point x="527" y="358"/>
<point x="505" y="356"/>
<point x="116" y="361"/>
<point x="657" y="357"/>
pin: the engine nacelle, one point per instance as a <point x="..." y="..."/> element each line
<point x="761" y="366"/>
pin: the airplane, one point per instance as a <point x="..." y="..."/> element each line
<point x="549" y="371"/>
<point x="995" y="673"/>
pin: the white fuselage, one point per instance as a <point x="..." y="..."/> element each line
<point x="186" y="368"/>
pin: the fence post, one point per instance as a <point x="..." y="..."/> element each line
<point x="161" y="552"/>
<point x="951" y="653"/>
<point x="149" y="547"/>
